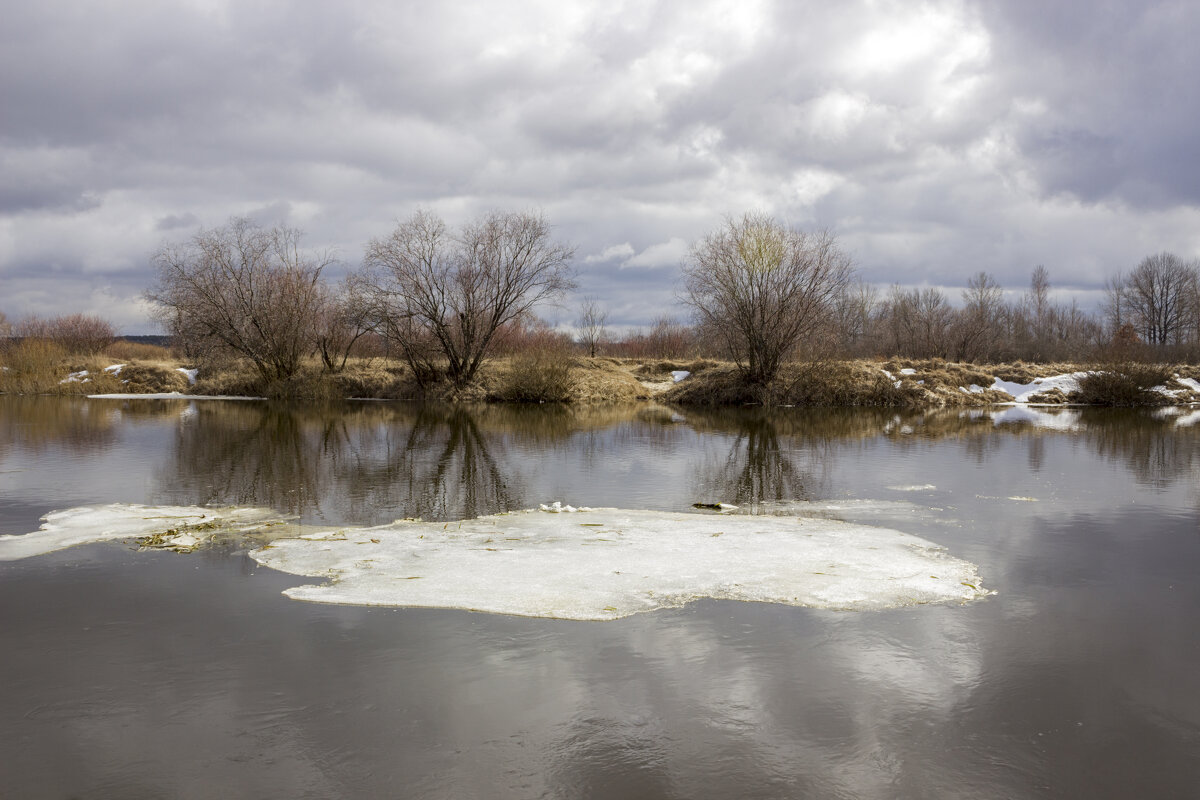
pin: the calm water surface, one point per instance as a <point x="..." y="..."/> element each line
<point x="131" y="675"/>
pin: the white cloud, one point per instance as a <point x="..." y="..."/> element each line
<point x="664" y="254"/>
<point x="992" y="136"/>
<point x="616" y="252"/>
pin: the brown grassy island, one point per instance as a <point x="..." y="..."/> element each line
<point x="40" y="367"/>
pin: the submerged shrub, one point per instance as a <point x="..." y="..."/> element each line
<point x="1126" y="384"/>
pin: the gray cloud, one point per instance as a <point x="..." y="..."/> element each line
<point x="937" y="139"/>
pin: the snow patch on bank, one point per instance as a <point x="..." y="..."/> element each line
<point x="610" y="563"/>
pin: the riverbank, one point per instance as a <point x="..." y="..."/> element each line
<point x="555" y="378"/>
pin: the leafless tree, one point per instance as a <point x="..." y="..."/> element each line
<point x="761" y="288"/>
<point x="5" y="325"/>
<point x="854" y="316"/>
<point x="245" y="290"/>
<point x="1158" y="294"/>
<point x="976" y="325"/>
<point x="441" y="294"/>
<point x="591" y="325"/>
<point x="917" y="321"/>
<point x="345" y="315"/>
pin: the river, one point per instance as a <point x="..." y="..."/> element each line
<point x="132" y="674"/>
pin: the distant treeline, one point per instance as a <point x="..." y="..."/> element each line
<point x="444" y="300"/>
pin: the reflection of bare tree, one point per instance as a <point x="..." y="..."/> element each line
<point x="249" y="454"/>
<point x="361" y="464"/>
<point x="1156" y="451"/>
<point x="444" y="467"/>
<point x="760" y="467"/>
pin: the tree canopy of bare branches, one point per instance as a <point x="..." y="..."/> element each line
<point x="1160" y="297"/>
<point x="84" y="334"/>
<point x="591" y="325"/>
<point x="761" y="288"/>
<point x="975" y="329"/>
<point x="442" y="295"/>
<point x="242" y="289"/>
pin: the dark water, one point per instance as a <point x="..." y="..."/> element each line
<point x="131" y="675"/>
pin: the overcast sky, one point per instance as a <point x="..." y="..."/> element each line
<point x="937" y="139"/>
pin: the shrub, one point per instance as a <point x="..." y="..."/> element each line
<point x="541" y="375"/>
<point x="1126" y="384"/>
<point x="30" y="366"/>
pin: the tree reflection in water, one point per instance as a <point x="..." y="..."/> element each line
<point x="772" y="457"/>
<point x="363" y="464"/>
<point x="370" y="463"/>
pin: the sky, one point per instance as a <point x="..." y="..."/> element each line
<point x="936" y="139"/>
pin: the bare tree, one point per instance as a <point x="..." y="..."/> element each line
<point x="245" y="290"/>
<point x="5" y="325"/>
<point x="854" y="315"/>
<point x="762" y="288"/>
<point x="977" y="323"/>
<point x="917" y="321"/>
<point x="591" y="325"/>
<point x="441" y="294"/>
<point x="345" y="316"/>
<point x="1158" y="296"/>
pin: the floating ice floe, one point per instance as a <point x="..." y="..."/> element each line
<point x="590" y="565"/>
<point x="610" y="563"/>
<point x="923" y="487"/>
<point x="85" y="524"/>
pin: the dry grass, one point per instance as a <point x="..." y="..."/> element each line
<point x="38" y="366"/>
<point x="545" y="376"/>
<point x="122" y="350"/>
<point x="538" y="375"/>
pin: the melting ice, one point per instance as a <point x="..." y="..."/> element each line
<point x="592" y="564"/>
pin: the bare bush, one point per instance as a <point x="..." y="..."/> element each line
<point x="1127" y="384"/>
<point x="76" y="334"/>
<point x="82" y="334"/>
<point x="245" y="290"/>
<point x="762" y="288"/>
<point x="540" y="374"/>
<point x="437" y="293"/>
